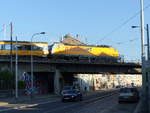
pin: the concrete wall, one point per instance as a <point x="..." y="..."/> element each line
<point x="100" y="81"/>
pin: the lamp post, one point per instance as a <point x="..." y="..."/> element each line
<point x="144" y="72"/>
<point x="32" y="61"/>
<point x="147" y="32"/>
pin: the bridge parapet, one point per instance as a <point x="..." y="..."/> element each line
<point x="49" y="65"/>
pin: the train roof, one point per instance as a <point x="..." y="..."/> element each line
<point x="20" y="41"/>
<point x="105" y="46"/>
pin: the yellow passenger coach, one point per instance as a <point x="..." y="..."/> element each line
<point x="24" y="48"/>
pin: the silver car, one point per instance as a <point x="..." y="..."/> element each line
<point x="128" y="94"/>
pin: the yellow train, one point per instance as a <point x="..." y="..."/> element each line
<point x="78" y="51"/>
<point x="60" y="51"/>
<point x="24" y="48"/>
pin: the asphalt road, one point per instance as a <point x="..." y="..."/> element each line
<point x="108" y="104"/>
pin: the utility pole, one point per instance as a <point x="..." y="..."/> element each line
<point x="144" y="73"/>
<point x="147" y="30"/>
<point x="16" y="85"/>
<point x="147" y="73"/>
<point x="11" y="63"/>
<point x="142" y="31"/>
<point x="32" y="61"/>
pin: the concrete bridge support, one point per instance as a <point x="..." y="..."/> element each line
<point x="58" y="82"/>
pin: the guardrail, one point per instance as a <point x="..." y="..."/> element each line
<point x="27" y="59"/>
<point x="10" y="93"/>
<point x="6" y="93"/>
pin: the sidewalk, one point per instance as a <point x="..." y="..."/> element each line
<point x="24" y="99"/>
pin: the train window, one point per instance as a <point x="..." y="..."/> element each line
<point x="7" y="47"/>
<point x="20" y="47"/>
<point x="2" y="47"/>
<point x="37" y="48"/>
<point x="24" y="47"/>
<point x="13" y="47"/>
<point x="27" y="47"/>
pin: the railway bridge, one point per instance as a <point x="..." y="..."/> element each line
<point x="54" y="72"/>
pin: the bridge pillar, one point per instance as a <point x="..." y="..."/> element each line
<point x="58" y="82"/>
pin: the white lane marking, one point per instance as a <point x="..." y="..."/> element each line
<point x="25" y="106"/>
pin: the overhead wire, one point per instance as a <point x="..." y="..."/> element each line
<point x="132" y="40"/>
<point x="124" y="23"/>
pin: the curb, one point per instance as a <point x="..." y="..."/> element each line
<point x="26" y="99"/>
<point x="34" y="99"/>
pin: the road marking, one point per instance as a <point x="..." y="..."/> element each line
<point x="3" y="104"/>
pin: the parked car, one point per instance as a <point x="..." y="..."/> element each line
<point x="128" y="94"/>
<point x="73" y="95"/>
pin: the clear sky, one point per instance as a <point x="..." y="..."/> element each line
<point x="96" y="21"/>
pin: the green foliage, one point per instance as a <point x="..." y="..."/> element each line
<point x="21" y="84"/>
<point x="6" y="75"/>
<point x="6" y="79"/>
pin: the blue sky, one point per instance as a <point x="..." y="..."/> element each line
<point x="97" y="21"/>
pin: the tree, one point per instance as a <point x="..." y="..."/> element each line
<point x="6" y="79"/>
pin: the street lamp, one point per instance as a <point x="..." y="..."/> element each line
<point x="32" y="61"/>
<point x="144" y="74"/>
<point x="147" y="31"/>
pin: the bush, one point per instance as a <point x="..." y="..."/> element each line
<point x="21" y="84"/>
<point x="6" y="79"/>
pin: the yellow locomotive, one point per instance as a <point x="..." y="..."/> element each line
<point x="77" y="51"/>
<point x="24" y="48"/>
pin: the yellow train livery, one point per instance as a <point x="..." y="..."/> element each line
<point x="23" y="48"/>
<point x="84" y="50"/>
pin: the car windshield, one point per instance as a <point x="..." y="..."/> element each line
<point x="67" y="88"/>
<point x="127" y="90"/>
<point x="70" y="91"/>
